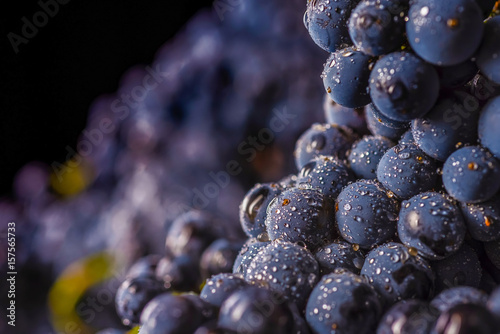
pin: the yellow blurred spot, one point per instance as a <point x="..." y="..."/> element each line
<point x="71" y="178"/>
<point x="202" y="285"/>
<point x="176" y="293"/>
<point x="69" y="288"/>
<point x="134" y="330"/>
<point x="487" y="221"/>
<point x="496" y="9"/>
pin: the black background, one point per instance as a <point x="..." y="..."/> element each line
<point x="81" y="53"/>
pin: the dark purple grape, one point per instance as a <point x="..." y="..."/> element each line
<point x="326" y="174"/>
<point x="398" y="273"/>
<point x="219" y="287"/>
<point x="445" y="33"/>
<point x="343" y="116"/>
<point x="345" y="77"/>
<point x="343" y="303"/>
<point x="219" y="257"/>
<point x="323" y="139"/>
<point x="408" y="316"/>
<point x="339" y="255"/>
<point x="487" y="55"/>
<point x="471" y="174"/>
<point x="403" y="86"/>
<point x="483" y="219"/>
<point x="133" y="294"/>
<point x="365" y="214"/>
<point x="466" y="318"/>
<point x="301" y="215"/>
<point x="407" y="171"/>
<point x="365" y="155"/>
<point x="460" y="269"/>
<point x="286" y="268"/>
<point x="257" y="311"/>
<point x="253" y="209"/>
<point x="433" y="224"/>
<point x="327" y="23"/>
<point x="378" y="27"/>
<point x="459" y="295"/>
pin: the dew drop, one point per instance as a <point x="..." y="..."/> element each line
<point x="424" y="11"/>
<point x="452" y="23"/>
<point x="263" y="237"/>
<point x="472" y="166"/>
<point x="404" y="155"/>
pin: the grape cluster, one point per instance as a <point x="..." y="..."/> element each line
<point x="391" y="223"/>
<point x="390" y="219"/>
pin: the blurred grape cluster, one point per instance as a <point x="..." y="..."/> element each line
<point x="210" y="117"/>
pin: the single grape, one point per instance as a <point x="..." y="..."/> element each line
<point x="433" y="224"/>
<point x="488" y="55"/>
<point x="378" y="27"/>
<point x="489" y="123"/>
<point x="471" y="174"/>
<point x="445" y="33"/>
<point x="365" y="155"/>
<point x="327" y="23"/>
<point x="403" y="86"/>
<point x="345" y="77"/>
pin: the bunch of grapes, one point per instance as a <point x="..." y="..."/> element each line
<point x="392" y="224"/>
<point x="386" y="217"/>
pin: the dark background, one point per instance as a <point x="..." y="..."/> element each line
<point x="81" y="53"/>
